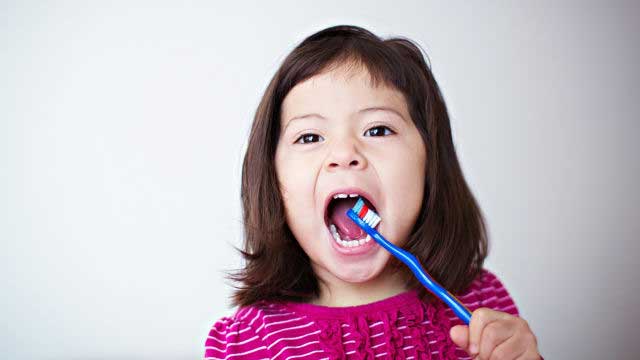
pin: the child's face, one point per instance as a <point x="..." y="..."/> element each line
<point x="348" y="149"/>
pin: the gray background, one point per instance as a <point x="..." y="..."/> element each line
<point x="123" y="124"/>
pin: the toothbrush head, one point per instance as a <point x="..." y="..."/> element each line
<point x="367" y="215"/>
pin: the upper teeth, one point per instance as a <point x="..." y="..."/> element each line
<point x="342" y="196"/>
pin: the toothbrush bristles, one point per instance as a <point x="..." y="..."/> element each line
<point x="367" y="215"/>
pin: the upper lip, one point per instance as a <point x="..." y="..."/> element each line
<point x="348" y="191"/>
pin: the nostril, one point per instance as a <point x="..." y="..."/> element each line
<point x="351" y="163"/>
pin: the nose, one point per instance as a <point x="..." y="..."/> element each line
<point x="345" y="154"/>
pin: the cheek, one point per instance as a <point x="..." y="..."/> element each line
<point x="296" y="181"/>
<point x="417" y="159"/>
<point x="408" y="173"/>
<point x="297" y="184"/>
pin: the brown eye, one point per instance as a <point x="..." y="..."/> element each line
<point x="378" y="130"/>
<point x="307" y="138"/>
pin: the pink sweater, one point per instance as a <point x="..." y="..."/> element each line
<point x="399" y="327"/>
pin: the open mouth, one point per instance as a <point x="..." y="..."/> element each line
<point x="345" y="232"/>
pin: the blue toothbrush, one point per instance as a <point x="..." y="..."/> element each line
<point x="367" y="219"/>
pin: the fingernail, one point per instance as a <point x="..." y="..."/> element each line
<point x="473" y="349"/>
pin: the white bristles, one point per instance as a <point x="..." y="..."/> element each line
<point x="371" y="218"/>
<point x="367" y="218"/>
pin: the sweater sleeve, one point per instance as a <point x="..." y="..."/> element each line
<point x="234" y="338"/>
<point x="495" y="295"/>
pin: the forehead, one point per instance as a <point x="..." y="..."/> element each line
<point x="340" y="90"/>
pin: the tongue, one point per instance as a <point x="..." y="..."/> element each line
<point x="347" y="229"/>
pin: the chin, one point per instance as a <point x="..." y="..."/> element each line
<point x="358" y="274"/>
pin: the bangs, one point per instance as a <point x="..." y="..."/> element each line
<point x="385" y="62"/>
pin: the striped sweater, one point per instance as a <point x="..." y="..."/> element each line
<point x="399" y="327"/>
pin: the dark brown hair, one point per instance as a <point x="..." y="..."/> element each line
<point x="449" y="236"/>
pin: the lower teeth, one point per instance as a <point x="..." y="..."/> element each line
<point x="347" y="243"/>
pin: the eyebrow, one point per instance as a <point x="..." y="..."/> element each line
<point x="361" y="111"/>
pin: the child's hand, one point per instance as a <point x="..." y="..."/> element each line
<point x="493" y="335"/>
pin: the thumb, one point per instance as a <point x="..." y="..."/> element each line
<point x="460" y="336"/>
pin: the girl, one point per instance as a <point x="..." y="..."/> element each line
<point x="348" y="114"/>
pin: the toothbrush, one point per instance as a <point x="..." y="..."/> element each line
<point x="367" y="219"/>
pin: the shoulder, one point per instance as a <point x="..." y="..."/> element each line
<point x="487" y="290"/>
<point x="235" y="336"/>
<point x="242" y="335"/>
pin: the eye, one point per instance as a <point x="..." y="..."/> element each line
<point x="307" y="138"/>
<point x="378" y="130"/>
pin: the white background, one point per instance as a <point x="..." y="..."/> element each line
<point x="123" y="126"/>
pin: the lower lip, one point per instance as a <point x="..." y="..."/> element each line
<point x="356" y="250"/>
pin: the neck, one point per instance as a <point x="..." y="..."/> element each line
<point x="337" y="293"/>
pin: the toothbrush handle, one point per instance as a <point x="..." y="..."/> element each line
<point x="410" y="260"/>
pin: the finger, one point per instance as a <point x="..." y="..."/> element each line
<point x="460" y="336"/>
<point x="509" y="349"/>
<point x="480" y="318"/>
<point x="529" y="343"/>
<point x="494" y="334"/>
<point x="529" y="354"/>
